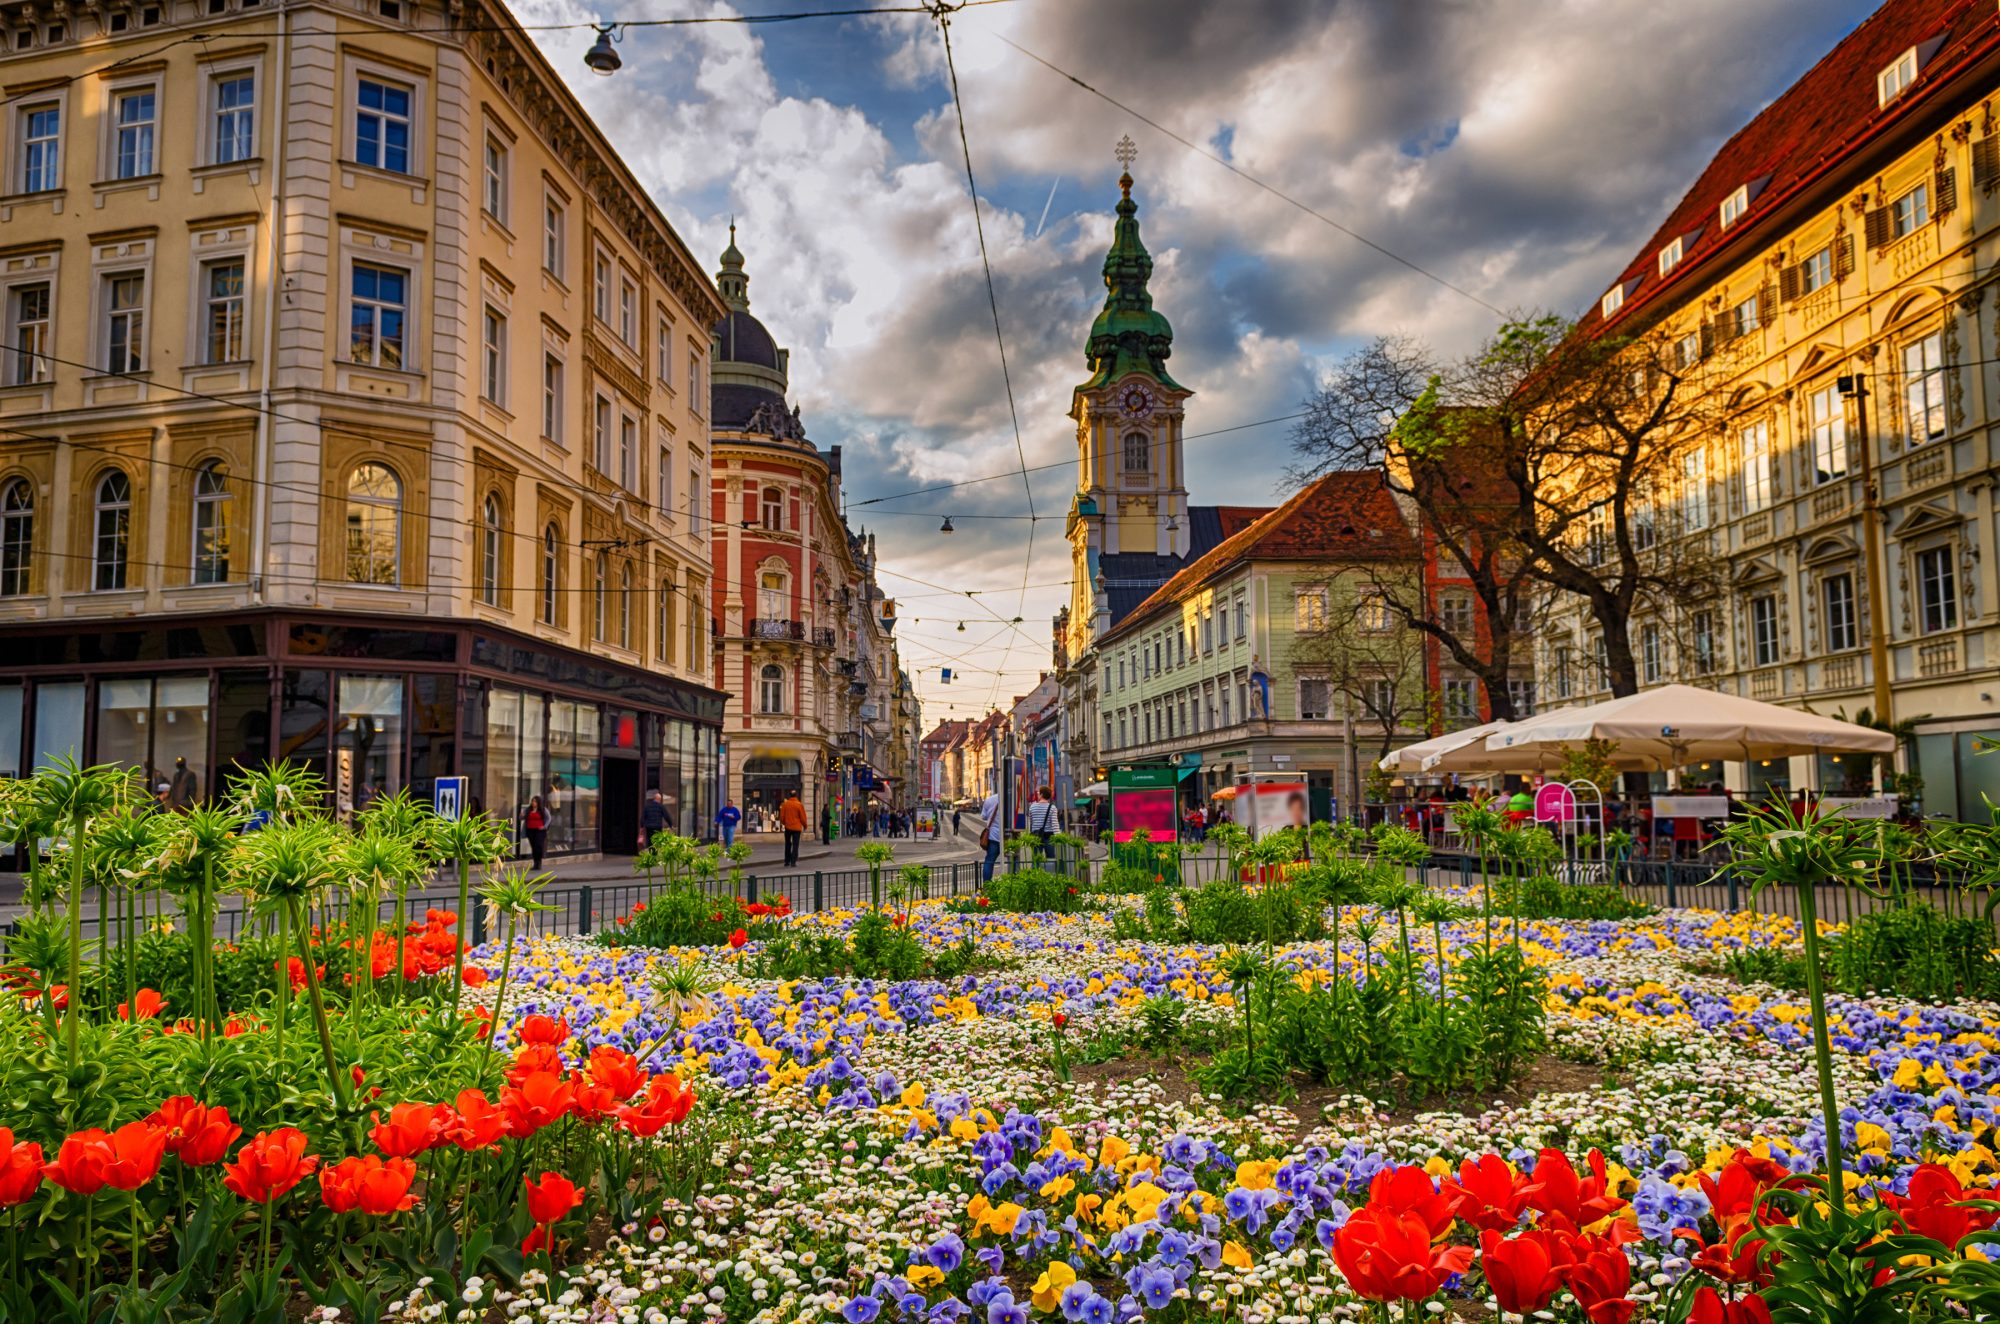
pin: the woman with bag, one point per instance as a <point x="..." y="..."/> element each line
<point x="535" y="827"/>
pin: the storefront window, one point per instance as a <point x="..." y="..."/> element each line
<point x="573" y="776"/>
<point x="242" y="723"/>
<point x="124" y="709"/>
<point x="10" y="730"/>
<point x="432" y="726"/>
<point x="504" y="796"/>
<point x="368" y="758"/>
<point x="534" y="776"/>
<point x="302" y="719"/>
<point x="180" y="737"/>
<point x="58" y="722"/>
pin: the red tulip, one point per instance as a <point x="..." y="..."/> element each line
<point x="537" y="1239"/>
<point x="1487" y="1194"/>
<point x="474" y="976"/>
<point x="551" y="1198"/>
<point x="127" y="1158"/>
<point x="1934" y="1207"/>
<point x="1408" y="1190"/>
<point x="20" y="1169"/>
<point x="201" y="1135"/>
<point x="270" y="1165"/>
<point x="1600" y="1280"/>
<point x="1710" y="1308"/>
<point x="145" y="1005"/>
<point x="1059" y="1020"/>
<point x="475" y="1123"/>
<point x="738" y="938"/>
<point x="539" y="1029"/>
<point x="1521" y="1272"/>
<point x="540" y="1099"/>
<point x="1556" y="1189"/>
<point x="1388" y="1256"/>
<point x="667" y="1104"/>
<point x="369" y="1184"/>
<point x="411" y="1129"/>
<point x="616" y="1070"/>
<point x="533" y="1058"/>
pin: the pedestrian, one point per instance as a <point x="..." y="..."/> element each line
<point x="826" y="822"/>
<point x="652" y="817"/>
<point x="792" y="818"/>
<point x="163" y="800"/>
<point x="726" y="819"/>
<point x="955" y="814"/>
<point x="535" y="827"/>
<point x="1042" y="822"/>
<point x="183" y="788"/>
<point x="989" y="836"/>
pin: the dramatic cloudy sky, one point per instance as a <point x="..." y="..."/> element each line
<point x="1520" y="149"/>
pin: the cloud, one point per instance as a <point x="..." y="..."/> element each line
<point x="1519" y="149"/>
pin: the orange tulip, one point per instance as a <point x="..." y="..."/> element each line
<point x="145" y="1005"/>
<point x="411" y="1129"/>
<point x="539" y="1029"/>
<point x="127" y="1158"/>
<point x="369" y="1184"/>
<point x="551" y="1198"/>
<point x="667" y="1103"/>
<point x="538" y="1100"/>
<point x="20" y="1169"/>
<point x="475" y="1123"/>
<point x="270" y="1165"/>
<point x="616" y="1070"/>
<point x="201" y="1135"/>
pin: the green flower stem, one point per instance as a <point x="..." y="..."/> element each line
<point x="464" y="928"/>
<point x="75" y="931"/>
<point x="1823" y="1058"/>
<point x="318" y="1003"/>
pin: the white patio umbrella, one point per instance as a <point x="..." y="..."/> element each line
<point x="1411" y="758"/>
<point x="1674" y="725"/>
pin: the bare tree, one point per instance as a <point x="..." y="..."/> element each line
<point x="1547" y="457"/>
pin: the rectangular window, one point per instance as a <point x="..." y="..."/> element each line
<point x="1649" y="654"/>
<point x="1746" y="316"/>
<point x="552" y="237"/>
<point x="376" y="320"/>
<point x="552" y="397"/>
<point x="1455" y="614"/>
<point x="28" y="334"/>
<point x="1522" y="695"/>
<point x="382" y="126"/>
<point x="1816" y="271"/>
<point x="1207" y="631"/>
<point x="1670" y="257"/>
<point x="696" y="400"/>
<point x="1937" y="590"/>
<point x="1764" y="630"/>
<point x="628" y="312"/>
<point x="1600" y="660"/>
<point x="222" y="295"/>
<point x="1756" y="451"/>
<point x="1890" y="83"/>
<point x="233" y="122"/>
<point x="495" y="193"/>
<point x="1313" y="699"/>
<point x="1687" y="350"/>
<point x="1827" y="429"/>
<point x="628" y="453"/>
<point x="1565" y="670"/>
<point x="1379" y="698"/>
<point x="600" y="288"/>
<point x="1694" y="489"/>
<point x="665" y="352"/>
<point x="1371" y="614"/>
<point x="1461" y="701"/>
<point x="695" y="512"/>
<point x="135" y="116"/>
<point x="1734" y="206"/>
<point x="1242" y="618"/>
<point x="600" y="449"/>
<point x="125" y="323"/>
<point x="1613" y="300"/>
<point x="1596" y="534"/>
<point x="1842" y="630"/>
<point x="1923" y="388"/>
<point x="1911" y="212"/>
<point x="1704" y="643"/>
<point x="1225" y="687"/>
<point x="666" y="480"/>
<point x="41" y="147"/>
<point x="493" y="357"/>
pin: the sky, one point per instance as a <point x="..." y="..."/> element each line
<point x="1519" y="150"/>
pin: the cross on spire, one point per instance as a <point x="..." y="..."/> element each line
<point x="1127" y="151"/>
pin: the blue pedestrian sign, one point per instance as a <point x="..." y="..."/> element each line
<point x="448" y="798"/>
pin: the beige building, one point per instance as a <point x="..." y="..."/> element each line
<point x="356" y="402"/>
<point x="1826" y="281"/>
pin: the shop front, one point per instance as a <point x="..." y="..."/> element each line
<point x="375" y="708"/>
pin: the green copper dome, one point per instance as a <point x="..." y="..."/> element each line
<point x="1128" y="336"/>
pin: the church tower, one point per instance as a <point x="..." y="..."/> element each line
<point x="1129" y="525"/>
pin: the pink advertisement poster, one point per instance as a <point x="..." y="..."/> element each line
<point x="1149" y="808"/>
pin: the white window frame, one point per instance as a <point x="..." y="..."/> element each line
<point x="1910" y="212"/>
<point x="1650" y="670"/>
<point x="1826" y="435"/>
<point x="1694" y="489"/>
<point x="49" y="178"/>
<point x="629" y="442"/>
<point x="492" y="528"/>
<point x="1930" y="567"/>
<point x="349" y="301"/>
<point x="134" y="318"/>
<point x="209" y="565"/>
<point x="399" y="505"/>
<point x="1613" y="300"/>
<point x="1687" y="350"/>
<point x="493" y="356"/>
<point x="1765" y="650"/>
<point x="145" y="134"/>
<point x="1843" y="618"/>
<point x="1733" y="206"/>
<point x="495" y="176"/>
<point x="628" y="310"/>
<point x="1701" y="636"/>
<point x="1670" y="256"/>
<point x="1309" y="615"/>
<point x="120" y="566"/>
<point x="415" y="161"/>
<point x="771" y="690"/>
<point x="213" y="112"/>
<point x="602" y="418"/>
<point x="1896" y="77"/>
<point x="665" y="349"/>
<point x="1747" y="316"/>
<point x="236" y="325"/>
<point x="555" y="387"/>
<point x="555" y="234"/>
<point x="696" y="515"/>
<point x="665" y="480"/>
<point x="1924" y="389"/>
<point x="1816" y="270"/>
<point x="27" y="361"/>
<point x="697" y="397"/>
<point x="548" y="583"/>
<point x="1754" y="452"/>
<point x="602" y="268"/>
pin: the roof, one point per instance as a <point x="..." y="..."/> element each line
<point x="1822" y="120"/>
<point x="1346" y="516"/>
<point x="1132" y="577"/>
<point x="1129" y="335"/>
<point x="741" y="338"/>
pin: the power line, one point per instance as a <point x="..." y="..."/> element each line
<point x="1275" y="192"/>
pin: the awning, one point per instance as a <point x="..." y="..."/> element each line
<point x="1096" y="790"/>
<point x="1673" y="725"/>
<point x="1226" y="793"/>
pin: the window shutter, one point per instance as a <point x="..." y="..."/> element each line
<point x="1945" y="191"/>
<point x="1876" y="225"/>
<point x="1788" y="283"/>
<point x="1843" y="257"/>
<point x="1986" y="163"/>
<point x="1711" y="337"/>
<point x="1767" y="304"/>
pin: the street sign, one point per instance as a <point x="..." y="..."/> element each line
<point x="448" y="797"/>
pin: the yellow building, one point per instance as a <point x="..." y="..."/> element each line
<point x="355" y="411"/>
<point x="1826" y="281"/>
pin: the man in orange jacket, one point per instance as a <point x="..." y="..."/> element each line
<point x="792" y="818"/>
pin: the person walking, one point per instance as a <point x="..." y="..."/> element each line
<point x="1042" y="822"/>
<point x="652" y="818"/>
<point x="726" y="819"/>
<point x="792" y="818"/>
<point x="989" y="836"/>
<point x="535" y="827"/>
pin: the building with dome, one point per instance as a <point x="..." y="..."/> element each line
<point x="804" y="637"/>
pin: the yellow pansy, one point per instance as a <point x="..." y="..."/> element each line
<point x="1256" y="1174"/>
<point x="1049" y="1287"/>
<point x="1235" y="1254"/>
<point x="923" y="1275"/>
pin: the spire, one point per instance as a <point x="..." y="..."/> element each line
<point x="734" y="285"/>
<point x="1128" y="336"/>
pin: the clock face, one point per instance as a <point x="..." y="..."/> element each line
<point x="1137" y="402"/>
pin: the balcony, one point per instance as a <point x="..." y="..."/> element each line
<point x="1840" y="673"/>
<point x="823" y="637"/>
<point x="763" y="628"/>
<point x="1928" y="467"/>
<point x="848" y="742"/>
<point x="1830" y="503"/>
<point x="1939" y="657"/>
<point x="1757" y="529"/>
<point x="1767" y="684"/>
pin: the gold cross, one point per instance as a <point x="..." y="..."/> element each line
<point x="1127" y="151"/>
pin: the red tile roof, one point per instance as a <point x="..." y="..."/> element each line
<point x="1797" y="141"/>
<point x="1346" y="516"/>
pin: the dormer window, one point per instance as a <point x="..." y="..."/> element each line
<point x="1670" y="257"/>
<point x="1613" y="300"/>
<point x="1735" y="205"/>
<point x="1893" y="81"/>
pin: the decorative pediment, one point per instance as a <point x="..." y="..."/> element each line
<point x="1818" y="354"/>
<point x="1928" y="517"/>
<point x="1834" y="547"/>
<point x="1913" y="302"/>
<point x="1756" y="570"/>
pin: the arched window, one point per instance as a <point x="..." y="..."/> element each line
<point x="625" y="607"/>
<point x="374" y="525"/>
<point x="489" y="552"/>
<point x="211" y="524"/>
<point x="1138" y="452"/>
<point x="771" y="689"/>
<point x="17" y="537"/>
<point x="551" y="573"/>
<point x="600" y="573"/>
<point x="774" y="508"/>
<point x="114" y="531"/>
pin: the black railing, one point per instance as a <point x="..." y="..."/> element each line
<point x="767" y="628"/>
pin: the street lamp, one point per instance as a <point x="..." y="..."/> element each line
<point x="947" y="526"/>
<point x="601" y="58"/>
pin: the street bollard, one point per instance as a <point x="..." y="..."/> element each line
<point x="589" y="901"/>
<point x="750" y="889"/>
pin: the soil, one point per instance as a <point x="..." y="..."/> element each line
<point x="1546" y="1075"/>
